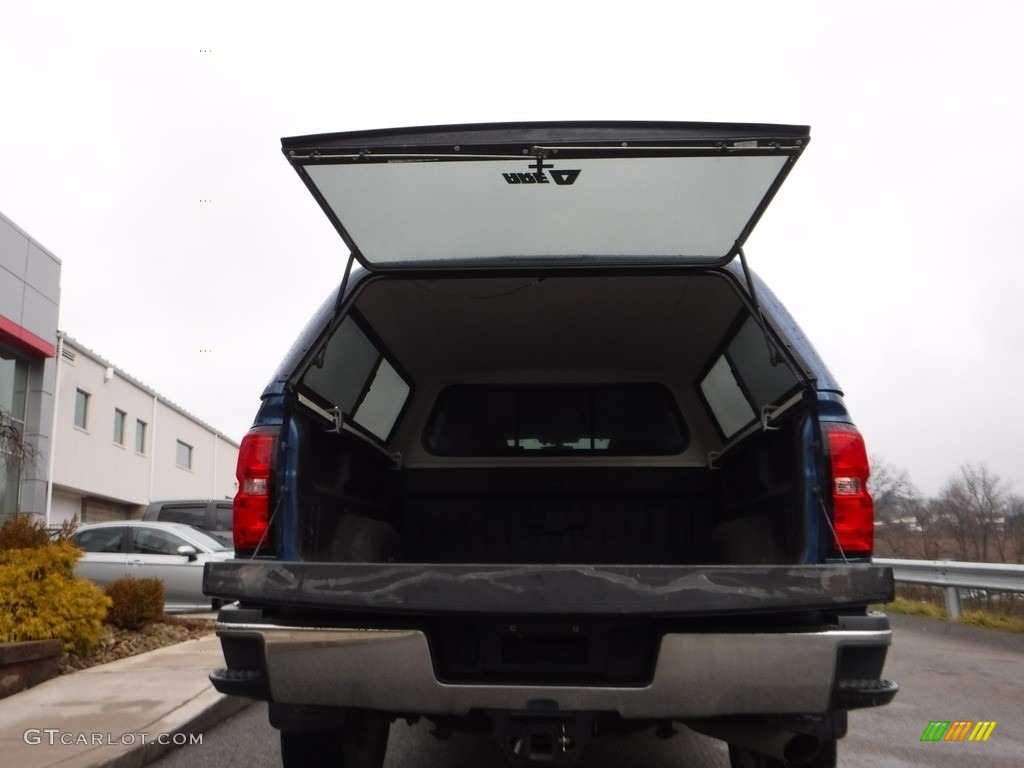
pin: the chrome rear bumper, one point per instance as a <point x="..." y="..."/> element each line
<point x="696" y="675"/>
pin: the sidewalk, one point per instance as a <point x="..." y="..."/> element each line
<point x="117" y="714"/>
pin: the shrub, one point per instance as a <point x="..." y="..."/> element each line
<point x="23" y="532"/>
<point x="67" y="530"/>
<point x="40" y="598"/>
<point x="136" y="602"/>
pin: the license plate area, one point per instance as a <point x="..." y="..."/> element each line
<point x="544" y="651"/>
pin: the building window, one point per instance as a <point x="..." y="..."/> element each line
<point x="13" y="398"/>
<point x="13" y="386"/>
<point x="140" y="436"/>
<point x="81" y="409"/>
<point x="184" y="455"/>
<point x="119" y="420"/>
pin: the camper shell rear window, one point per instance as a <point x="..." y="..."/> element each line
<point x="611" y="420"/>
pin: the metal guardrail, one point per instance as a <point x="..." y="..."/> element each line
<point x="955" y="575"/>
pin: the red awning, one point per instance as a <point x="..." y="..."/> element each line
<point x="24" y="341"/>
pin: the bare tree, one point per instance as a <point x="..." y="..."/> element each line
<point x="930" y="532"/>
<point x="892" y="491"/>
<point x="972" y="509"/>
<point x="1015" y="526"/>
<point x="898" y="507"/>
<point x="15" y="453"/>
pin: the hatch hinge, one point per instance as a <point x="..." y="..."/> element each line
<point x="773" y="352"/>
<point x="540" y="154"/>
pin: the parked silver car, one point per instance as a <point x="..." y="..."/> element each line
<point x="172" y="552"/>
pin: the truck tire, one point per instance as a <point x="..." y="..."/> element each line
<point x="739" y="757"/>
<point x="360" y="742"/>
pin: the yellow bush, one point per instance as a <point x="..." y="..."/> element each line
<point x="136" y="602"/>
<point x="40" y="598"/>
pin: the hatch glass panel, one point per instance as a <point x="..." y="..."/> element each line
<point x="513" y="196"/>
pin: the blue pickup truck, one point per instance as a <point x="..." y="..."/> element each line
<point x="551" y="462"/>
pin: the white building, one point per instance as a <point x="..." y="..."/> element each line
<point x="118" y="445"/>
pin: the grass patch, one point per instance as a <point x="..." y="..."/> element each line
<point x="909" y="607"/>
<point x="993" y="621"/>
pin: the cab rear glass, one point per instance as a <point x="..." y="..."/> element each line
<point x="626" y="420"/>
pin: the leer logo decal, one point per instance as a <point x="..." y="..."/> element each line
<point x="538" y="176"/>
<point x="958" y="730"/>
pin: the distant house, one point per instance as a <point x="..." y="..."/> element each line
<point x="910" y="522"/>
<point x="119" y="444"/>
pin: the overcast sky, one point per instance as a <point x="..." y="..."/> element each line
<point x="895" y="242"/>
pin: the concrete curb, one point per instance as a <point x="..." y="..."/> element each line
<point x="116" y="714"/>
<point x="193" y="717"/>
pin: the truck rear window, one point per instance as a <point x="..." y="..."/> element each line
<point x="619" y="420"/>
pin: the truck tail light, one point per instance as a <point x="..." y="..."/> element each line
<point x="251" y="526"/>
<point x="852" y="508"/>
